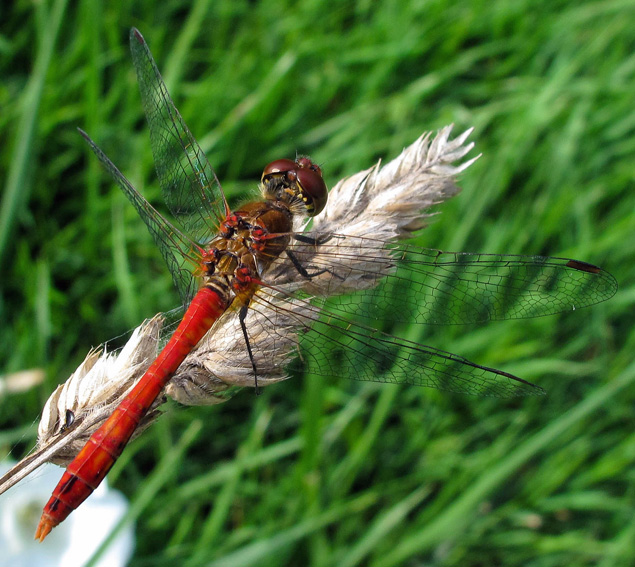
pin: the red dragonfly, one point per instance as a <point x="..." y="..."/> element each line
<point x="254" y="268"/>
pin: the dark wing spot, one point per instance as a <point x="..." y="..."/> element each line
<point x="583" y="266"/>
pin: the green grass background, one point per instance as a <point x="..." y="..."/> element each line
<point x="334" y="472"/>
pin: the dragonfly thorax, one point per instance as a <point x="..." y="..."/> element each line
<point x="249" y="240"/>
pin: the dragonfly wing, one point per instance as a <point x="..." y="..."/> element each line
<point x="190" y="187"/>
<point x="407" y="283"/>
<point x="176" y="249"/>
<point x="328" y="344"/>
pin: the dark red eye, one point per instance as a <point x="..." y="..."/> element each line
<point x="306" y="163"/>
<point x="279" y="166"/>
<point x="313" y="190"/>
<point x="306" y="176"/>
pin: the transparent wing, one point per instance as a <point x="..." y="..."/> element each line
<point x="302" y="337"/>
<point x="190" y="187"/>
<point x="319" y="302"/>
<point x="406" y="283"/>
<point x="178" y="251"/>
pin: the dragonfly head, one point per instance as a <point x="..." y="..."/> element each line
<point x="295" y="181"/>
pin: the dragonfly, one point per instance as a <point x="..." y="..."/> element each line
<point x="302" y="298"/>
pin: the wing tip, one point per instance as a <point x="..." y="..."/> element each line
<point x="519" y="386"/>
<point x="136" y="34"/>
<point x="608" y="284"/>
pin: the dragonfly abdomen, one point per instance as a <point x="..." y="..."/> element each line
<point x="105" y="445"/>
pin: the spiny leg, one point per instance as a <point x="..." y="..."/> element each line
<point x="306" y="239"/>
<point x="241" y="317"/>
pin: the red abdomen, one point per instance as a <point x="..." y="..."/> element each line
<point x="105" y="445"/>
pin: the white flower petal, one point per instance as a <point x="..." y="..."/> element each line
<point x="74" y="541"/>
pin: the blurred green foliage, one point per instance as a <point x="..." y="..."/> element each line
<point x="336" y="472"/>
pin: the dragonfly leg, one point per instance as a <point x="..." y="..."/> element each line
<point x="241" y="317"/>
<point x="305" y="273"/>
<point x="314" y="241"/>
<point x="306" y="239"/>
<point x="69" y="419"/>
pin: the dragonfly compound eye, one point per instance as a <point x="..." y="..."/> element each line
<point x="306" y="163"/>
<point x="278" y="168"/>
<point x="303" y="176"/>
<point x="313" y="190"/>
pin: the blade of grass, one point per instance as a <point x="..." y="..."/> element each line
<point x="18" y="186"/>
<point x="460" y="513"/>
